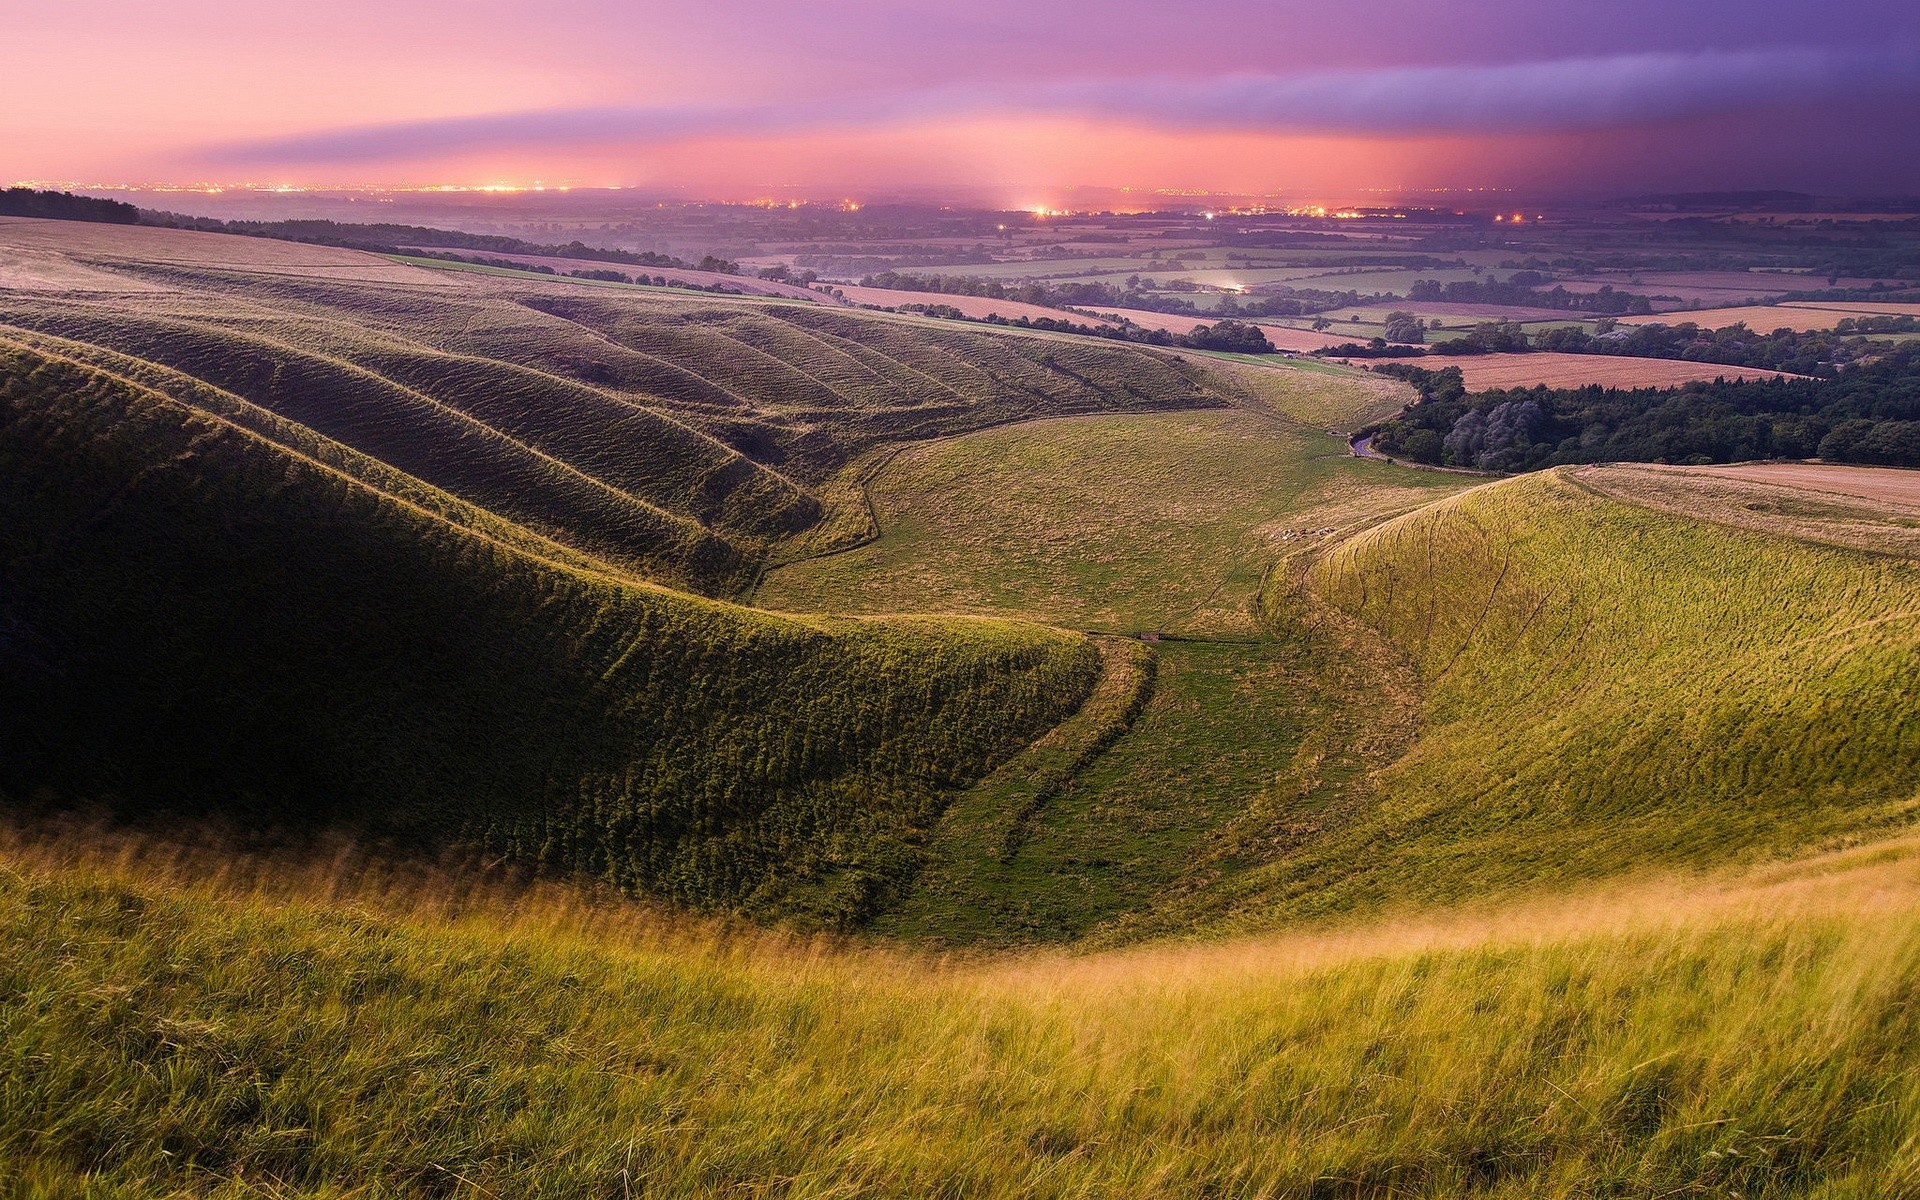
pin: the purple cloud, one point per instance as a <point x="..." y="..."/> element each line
<point x="1547" y="96"/>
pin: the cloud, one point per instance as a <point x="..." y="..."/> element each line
<point x="1545" y="96"/>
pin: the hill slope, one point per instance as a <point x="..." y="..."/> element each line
<point x="1608" y="685"/>
<point x="195" y="619"/>
<point x="676" y="437"/>
<point x="297" y="1034"/>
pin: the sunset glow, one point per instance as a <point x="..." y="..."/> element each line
<point x="870" y="96"/>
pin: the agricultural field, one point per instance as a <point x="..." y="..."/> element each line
<point x="1761" y="318"/>
<point x="974" y="307"/>
<point x="1484" y="372"/>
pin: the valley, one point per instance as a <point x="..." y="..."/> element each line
<point x="1025" y="763"/>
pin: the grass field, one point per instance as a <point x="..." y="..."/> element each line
<point x="1601" y="694"/>
<point x="1128" y="524"/>
<point x="1484" y="372"/>
<point x="1150" y="524"/>
<point x="301" y="1029"/>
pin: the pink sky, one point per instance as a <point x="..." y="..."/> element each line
<point x="735" y="95"/>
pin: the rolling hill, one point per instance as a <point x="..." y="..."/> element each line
<point x="202" y="623"/>
<point x="1547" y="837"/>
<point x="676" y="437"/>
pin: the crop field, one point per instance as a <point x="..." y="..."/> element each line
<point x="1485" y="372"/>
<point x="1761" y="318"/>
<point x="1877" y="308"/>
<point x="1687" y="284"/>
<point x="1868" y="508"/>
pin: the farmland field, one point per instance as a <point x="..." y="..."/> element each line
<point x="1759" y="318"/>
<point x="1484" y="372"/>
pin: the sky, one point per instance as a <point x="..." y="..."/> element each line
<point x="1020" y="100"/>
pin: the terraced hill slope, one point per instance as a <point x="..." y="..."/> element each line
<point x="676" y="437"/>
<point x="198" y="619"/>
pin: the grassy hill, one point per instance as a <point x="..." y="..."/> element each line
<point x="199" y="621"/>
<point x="1237" y="733"/>
<point x="1608" y="685"/>
<point x="676" y="437"/>
<point x="301" y="1032"/>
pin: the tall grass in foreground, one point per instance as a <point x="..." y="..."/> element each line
<point x="293" y="1032"/>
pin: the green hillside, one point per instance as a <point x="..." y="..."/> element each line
<point x="676" y="437"/>
<point x="1608" y="686"/>
<point x="200" y="621"/>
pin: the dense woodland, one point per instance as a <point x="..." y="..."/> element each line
<point x="1866" y="414"/>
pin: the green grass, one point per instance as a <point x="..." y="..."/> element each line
<point x="299" y="1035"/>
<point x="676" y="436"/>
<point x="1604" y="690"/>
<point x="1138" y="524"/>
<point x="1154" y="523"/>
<point x="200" y="622"/>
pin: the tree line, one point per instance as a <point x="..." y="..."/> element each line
<point x="65" y="206"/>
<point x="1868" y="413"/>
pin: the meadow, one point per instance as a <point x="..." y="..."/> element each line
<point x="198" y="1023"/>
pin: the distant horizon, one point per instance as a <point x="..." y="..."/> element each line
<point x="1069" y="200"/>
<point x="1017" y="101"/>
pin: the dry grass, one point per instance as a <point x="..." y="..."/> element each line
<point x="1484" y="372"/>
<point x="206" y="1024"/>
<point x="1867" y="508"/>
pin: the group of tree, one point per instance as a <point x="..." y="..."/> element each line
<point x="1810" y="352"/>
<point x="1868" y="413"/>
<point x="65" y="206"/>
<point x="1526" y="288"/>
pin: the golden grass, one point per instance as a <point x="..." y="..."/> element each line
<point x="205" y="1023"/>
